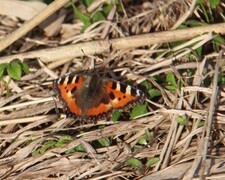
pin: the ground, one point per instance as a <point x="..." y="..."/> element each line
<point x="172" y="51"/>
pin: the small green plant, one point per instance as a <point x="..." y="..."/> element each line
<point x="172" y="83"/>
<point x="80" y="148"/>
<point x="138" y="110"/>
<point x="221" y="79"/>
<point x="116" y="115"/>
<point x="182" y="120"/>
<point x="201" y="124"/>
<point x="135" y="163"/>
<point x="104" y="142"/>
<point x="152" y="162"/>
<point x="207" y="8"/>
<point x="152" y="92"/>
<point x="14" y="70"/>
<point x="146" y="138"/>
<point x="171" y="80"/>
<point x="98" y="14"/>
<point x="217" y="41"/>
<point x="52" y="144"/>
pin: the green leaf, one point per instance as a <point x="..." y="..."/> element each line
<point x="198" y="52"/>
<point x="62" y="140"/>
<point x="182" y="26"/>
<point x="138" y="110"/>
<point x="171" y="88"/>
<point x="152" y="162"/>
<point x="147" y="84"/>
<point x="98" y="16"/>
<point x="107" y="9"/>
<point x="217" y="41"/>
<point x="116" y="115"/>
<point x="199" y="1"/>
<point x="214" y="3"/>
<point x="182" y="120"/>
<point x="25" y="68"/>
<point x="136" y="149"/>
<point x="194" y="23"/>
<point x="148" y="134"/>
<point x="35" y="153"/>
<point x="158" y="78"/>
<point x="102" y="126"/>
<point x="205" y="12"/>
<point x="170" y="78"/>
<point x="104" y="142"/>
<point x="87" y="3"/>
<point x="134" y="162"/>
<point x="154" y="93"/>
<point x="221" y="79"/>
<point x="47" y="145"/>
<point x="14" y="70"/>
<point x="142" y="141"/>
<point x="85" y="19"/>
<point x="146" y="138"/>
<point x="80" y="148"/>
<point x="2" y="68"/>
<point x="50" y="144"/>
<point x="119" y="5"/>
<point x="180" y="84"/>
<point x="201" y="124"/>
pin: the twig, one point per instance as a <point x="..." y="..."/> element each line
<point x="96" y="47"/>
<point x="208" y="123"/>
<point x="54" y="6"/>
<point x="23" y="120"/>
<point x="26" y="104"/>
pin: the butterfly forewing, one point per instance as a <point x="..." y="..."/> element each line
<point x="91" y="97"/>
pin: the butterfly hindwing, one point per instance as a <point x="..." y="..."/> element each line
<point x="122" y="95"/>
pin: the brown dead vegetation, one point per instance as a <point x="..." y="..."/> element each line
<point x="123" y="45"/>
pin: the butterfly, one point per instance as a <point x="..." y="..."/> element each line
<point x="91" y="97"/>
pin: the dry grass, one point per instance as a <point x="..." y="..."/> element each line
<point x="28" y="121"/>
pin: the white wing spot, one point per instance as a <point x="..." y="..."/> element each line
<point x="74" y="79"/>
<point x="128" y="90"/>
<point x="66" y="79"/>
<point x="139" y="92"/>
<point x="118" y="87"/>
<point x="59" y="80"/>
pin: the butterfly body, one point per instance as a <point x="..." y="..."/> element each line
<point x="90" y="97"/>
